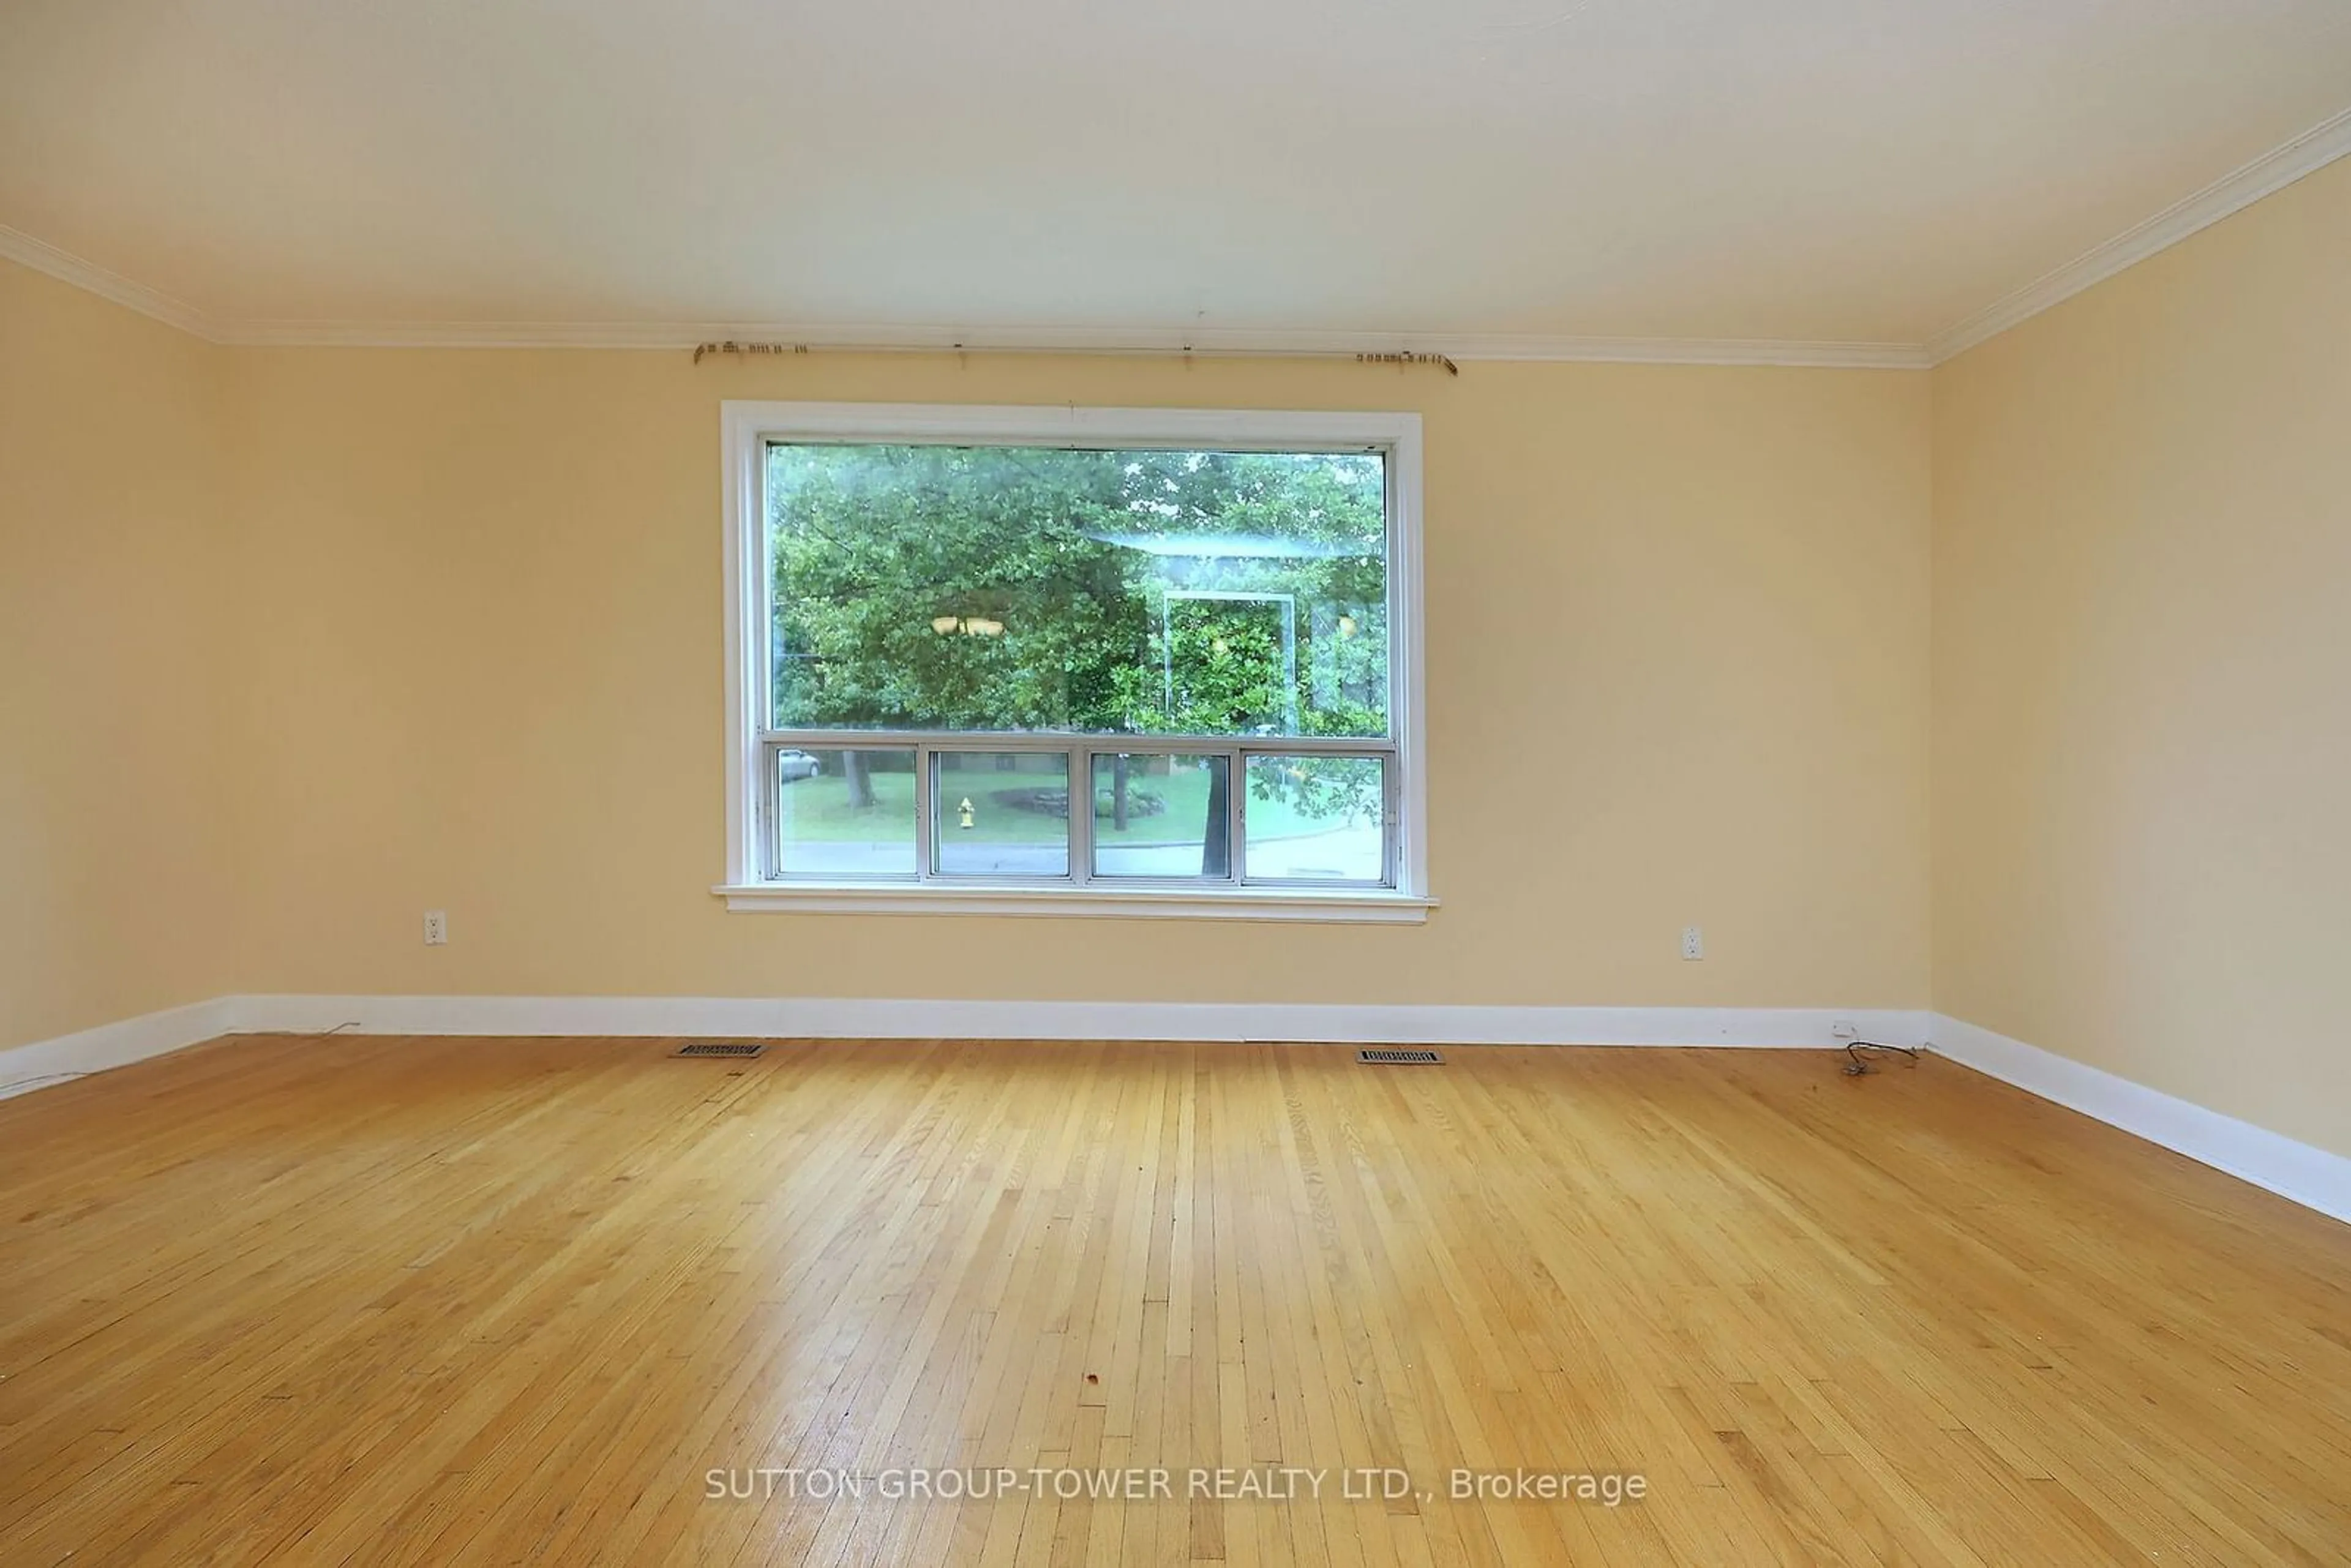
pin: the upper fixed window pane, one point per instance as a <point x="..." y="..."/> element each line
<point x="1100" y="592"/>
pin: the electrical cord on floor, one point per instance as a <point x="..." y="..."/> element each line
<point x="6" y="1090"/>
<point x="1860" y="1064"/>
<point x="40" y="1077"/>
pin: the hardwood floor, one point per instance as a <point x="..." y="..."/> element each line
<point x="458" y="1301"/>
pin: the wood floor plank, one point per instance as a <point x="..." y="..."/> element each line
<point x="339" y="1300"/>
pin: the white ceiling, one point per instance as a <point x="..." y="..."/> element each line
<point x="1864" y="170"/>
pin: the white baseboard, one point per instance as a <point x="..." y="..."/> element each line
<point x="886" y="1019"/>
<point x="2310" y="1176"/>
<point x="50" y="1061"/>
<point x="39" y="1065"/>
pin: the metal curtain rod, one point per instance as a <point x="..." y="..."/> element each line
<point x="732" y="345"/>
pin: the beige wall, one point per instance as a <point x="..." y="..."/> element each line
<point x="298" y="644"/>
<point x="115" y="872"/>
<point x="2143" y="670"/>
<point x="1678" y="673"/>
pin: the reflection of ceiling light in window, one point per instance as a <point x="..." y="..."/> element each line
<point x="1346" y="625"/>
<point x="943" y="625"/>
<point x="979" y="626"/>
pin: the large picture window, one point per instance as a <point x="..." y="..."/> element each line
<point x="1124" y="660"/>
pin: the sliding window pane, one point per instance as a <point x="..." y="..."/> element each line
<point x="1316" y="818"/>
<point x="1162" y="816"/>
<point x="967" y="590"/>
<point x="845" y="813"/>
<point x="1000" y="813"/>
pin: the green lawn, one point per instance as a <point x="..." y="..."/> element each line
<point x="818" y="810"/>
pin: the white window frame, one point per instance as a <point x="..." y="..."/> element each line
<point x="746" y="429"/>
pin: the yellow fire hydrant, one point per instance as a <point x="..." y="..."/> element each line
<point x="965" y="810"/>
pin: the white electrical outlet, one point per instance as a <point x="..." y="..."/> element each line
<point x="437" y="927"/>
<point x="1842" y="1028"/>
<point x="1692" y="941"/>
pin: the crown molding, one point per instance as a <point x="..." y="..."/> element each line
<point x="2233" y="193"/>
<point x="2273" y="171"/>
<point x="1040" y="340"/>
<point x="67" y="268"/>
<point x="18" y="246"/>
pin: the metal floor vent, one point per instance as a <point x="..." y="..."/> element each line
<point x="719" y="1048"/>
<point x="1392" y="1058"/>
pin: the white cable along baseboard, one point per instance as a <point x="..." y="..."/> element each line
<point x="68" y="1056"/>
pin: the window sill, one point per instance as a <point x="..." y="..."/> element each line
<point x="1377" y="906"/>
